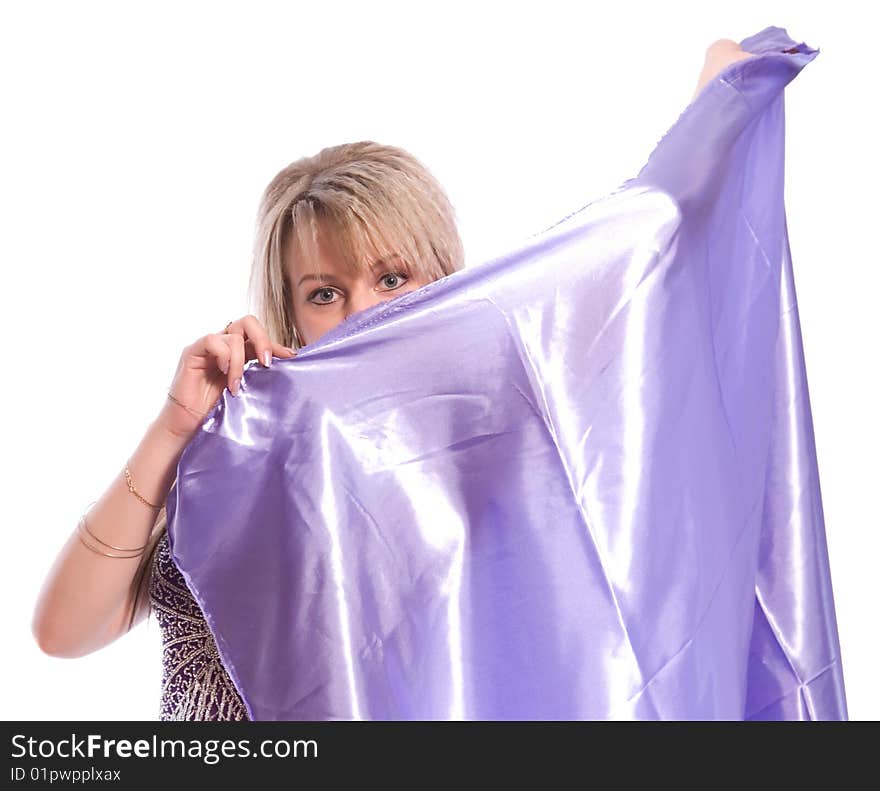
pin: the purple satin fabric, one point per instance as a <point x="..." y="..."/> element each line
<point x="577" y="481"/>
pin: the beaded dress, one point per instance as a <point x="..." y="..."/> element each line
<point x="195" y="684"/>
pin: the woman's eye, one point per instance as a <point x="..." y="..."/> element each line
<point x="322" y="292"/>
<point x="396" y="278"/>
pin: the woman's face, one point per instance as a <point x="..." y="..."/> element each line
<point x="320" y="304"/>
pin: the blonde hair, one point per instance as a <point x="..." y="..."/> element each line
<point x="368" y="201"/>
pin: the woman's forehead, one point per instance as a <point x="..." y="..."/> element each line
<point x="328" y="250"/>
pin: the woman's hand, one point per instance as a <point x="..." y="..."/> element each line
<point x="719" y="56"/>
<point x="213" y="362"/>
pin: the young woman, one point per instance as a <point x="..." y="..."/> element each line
<point x="336" y="233"/>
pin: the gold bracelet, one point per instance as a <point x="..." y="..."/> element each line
<point x="135" y="491"/>
<point x="82" y="523"/>
<point x="187" y="408"/>
<point x="85" y="525"/>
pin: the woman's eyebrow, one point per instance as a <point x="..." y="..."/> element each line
<point x="312" y="277"/>
<point x="385" y="260"/>
<point x="377" y="263"/>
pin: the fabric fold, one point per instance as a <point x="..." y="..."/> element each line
<point x="576" y="481"/>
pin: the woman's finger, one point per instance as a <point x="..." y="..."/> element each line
<point x="215" y="346"/>
<point x="283" y="351"/>
<point x="258" y="344"/>
<point x="235" y="342"/>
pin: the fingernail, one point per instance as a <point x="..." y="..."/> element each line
<point x="289" y="350"/>
<point x="235" y="386"/>
<point x="267" y="358"/>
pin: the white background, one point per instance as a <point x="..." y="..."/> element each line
<point x="137" y="138"/>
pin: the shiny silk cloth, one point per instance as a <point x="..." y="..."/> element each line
<point x="577" y="481"/>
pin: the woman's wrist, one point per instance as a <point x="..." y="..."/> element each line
<point x="175" y="426"/>
<point x="719" y="56"/>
